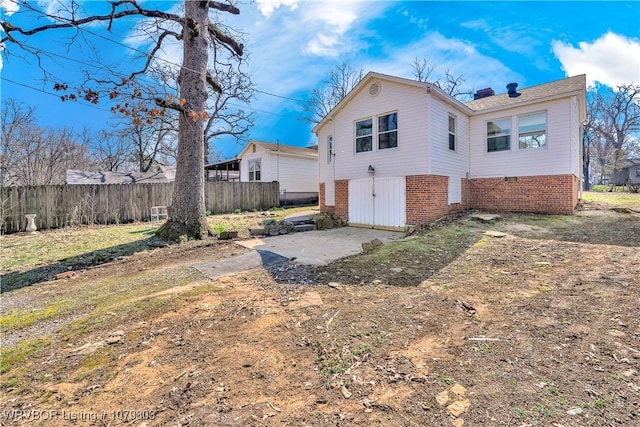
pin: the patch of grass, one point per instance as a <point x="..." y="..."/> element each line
<point x="362" y="349"/>
<point x="94" y="361"/>
<point x="12" y="356"/>
<point x="620" y="199"/>
<point x="19" y="319"/>
<point x="520" y="413"/>
<point x="402" y="263"/>
<point x="329" y="359"/>
<point x="20" y="253"/>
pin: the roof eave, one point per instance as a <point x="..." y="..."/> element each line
<point x="530" y="102"/>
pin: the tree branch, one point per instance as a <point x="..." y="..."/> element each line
<point x="227" y="41"/>
<point x="224" y="7"/>
<point x="70" y="23"/>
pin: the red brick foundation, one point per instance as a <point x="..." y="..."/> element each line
<point x="555" y="194"/>
<point x="342" y="199"/>
<point x="427" y="198"/>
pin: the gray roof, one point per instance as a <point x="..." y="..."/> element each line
<point x="311" y="151"/>
<point x="552" y="90"/>
<point x="106" y="177"/>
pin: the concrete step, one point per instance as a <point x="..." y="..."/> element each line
<point x="304" y="227"/>
<point x="299" y="220"/>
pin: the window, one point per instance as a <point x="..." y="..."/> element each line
<point x="637" y="171"/>
<point x="388" y="131"/>
<point x="452" y="133"/>
<point x="364" y="135"/>
<point x="499" y="135"/>
<point x="532" y="130"/>
<point x="254" y="170"/>
<point x="329" y="148"/>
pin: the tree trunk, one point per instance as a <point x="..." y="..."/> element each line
<point x="187" y="212"/>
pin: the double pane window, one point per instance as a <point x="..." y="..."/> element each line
<point x="532" y="130"/>
<point x="364" y="135"/>
<point x="254" y="170"/>
<point x="499" y="135"/>
<point x="388" y="131"/>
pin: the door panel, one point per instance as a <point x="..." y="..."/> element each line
<point x="377" y="202"/>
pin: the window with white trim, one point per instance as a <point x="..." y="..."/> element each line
<point x="329" y="148"/>
<point x="499" y="135"/>
<point x="364" y="135"/>
<point x="388" y="131"/>
<point x="532" y="130"/>
<point x="452" y="133"/>
<point x="254" y="169"/>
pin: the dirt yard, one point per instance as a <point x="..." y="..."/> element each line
<point x="530" y="320"/>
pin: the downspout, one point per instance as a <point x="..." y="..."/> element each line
<point x="469" y="167"/>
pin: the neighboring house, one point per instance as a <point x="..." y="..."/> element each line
<point x="629" y="173"/>
<point x="226" y="170"/>
<point x="79" y="177"/>
<point x="295" y="168"/>
<point x="397" y="152"/>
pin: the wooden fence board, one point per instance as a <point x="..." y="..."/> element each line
<point x="57" y="206"/>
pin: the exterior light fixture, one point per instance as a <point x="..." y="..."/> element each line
<point x="371" y="170"/>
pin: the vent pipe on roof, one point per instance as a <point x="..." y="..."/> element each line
<point x="511" y="88"/>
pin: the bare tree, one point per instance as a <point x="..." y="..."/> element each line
<point x="32" y="155"/>
<point x="614" y="118"/>
<point x="196" y="33"/>
<point x="423" y="71"/>
<point x="150" y="137"/>
<point x="112" y="151"/>
<point x="335" y="87"/>
<point x="16" y="120"/>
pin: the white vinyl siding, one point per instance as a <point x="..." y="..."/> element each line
<point x="295" y="174"/>
<point x="446" y="162"/>
<point x="409" y="158"/>
<point x="556" y="159"/>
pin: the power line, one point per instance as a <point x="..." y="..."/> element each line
<point x="157" y="58"/>
<point x="51" y="94"/>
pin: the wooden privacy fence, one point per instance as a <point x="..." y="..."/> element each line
<point x="57" y="206"/>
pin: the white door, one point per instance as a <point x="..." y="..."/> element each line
<point x="377" y="202"/>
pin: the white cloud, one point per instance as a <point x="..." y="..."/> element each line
<point x="460" y="57"/>
<point x="512" y="38"/>
<point x="10" y="7"/>
<point x="332" y="21"/>
<point x="267" y="7"/>
<point x="611" y="60"/>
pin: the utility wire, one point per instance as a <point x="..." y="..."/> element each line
<point x="157" y="58"/>
<point x="52" y="94"/>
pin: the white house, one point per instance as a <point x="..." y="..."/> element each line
<point x="295" y="168"/>
<point x="397" y="152"/>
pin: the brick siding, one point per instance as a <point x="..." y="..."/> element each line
<point x="556" y="194"/>
<point x="427" y="198"/>
<point x="342" y="199"/>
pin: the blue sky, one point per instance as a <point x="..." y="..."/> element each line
<point x="293" y="44"/>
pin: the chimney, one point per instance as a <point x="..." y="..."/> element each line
<point x="483" y="93"/>
<point x="511" y="88"/>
